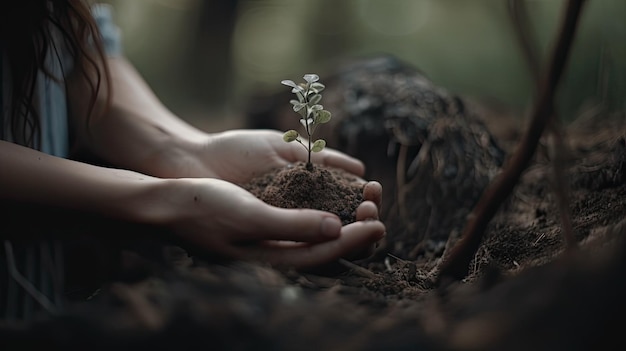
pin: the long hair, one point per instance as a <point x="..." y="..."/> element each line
<point x="27" y="34"/>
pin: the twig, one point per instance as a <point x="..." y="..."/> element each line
<point x="456" y="265"/>
<point x="26" y="284"/>
<point x="556" y="145"/>
<point x="364" y="272"/>
<point x="397" y="258"/>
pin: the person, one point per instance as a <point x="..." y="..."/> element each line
<point x="67" y="90"/>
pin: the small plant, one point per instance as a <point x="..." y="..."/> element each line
<point x="311" y="112"/>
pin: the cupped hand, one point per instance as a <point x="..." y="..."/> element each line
<point x="240" y="155"/>
<point x="220" y="217"/>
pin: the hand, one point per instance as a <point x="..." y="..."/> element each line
<point x="240" y="155"/>
<point x="222" y="218"/>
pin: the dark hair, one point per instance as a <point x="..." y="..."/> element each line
<point x="26" y="34"/>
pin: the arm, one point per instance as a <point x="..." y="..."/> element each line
<point x="137" y="132"/>
<point x="141" y="134"/>
<point x="206" y="213"/>
<point x="30" y="176"/>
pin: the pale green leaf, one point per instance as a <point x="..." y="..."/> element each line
<point x="318" y="145"/>
<point x="322" y="116"/>
<point x="317" y="87"/>
<point x="298" y="106"/>
<point x="304" y="122"/>
<point x="289" y="83"/>
<point x="311" y="78"/>
<point x="303" y="113"/>
<point x="299" y="95"/>
<point x="315" y="99"/>
<point x="290" y="135"/>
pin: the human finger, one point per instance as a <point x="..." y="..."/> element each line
<point x="301" y="225"/>
<point x="353" y="237"/>
<point x="366" y="210"/>
<point x="373" y="191"/>
<point x="337" y="159"/>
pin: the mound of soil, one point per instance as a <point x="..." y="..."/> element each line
<point x="320" y="187"/>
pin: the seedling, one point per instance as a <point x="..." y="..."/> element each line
<point x="311" y="113"/>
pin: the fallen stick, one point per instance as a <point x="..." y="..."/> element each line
<point x="557" y="149"/>
<point x="455" y="265"/>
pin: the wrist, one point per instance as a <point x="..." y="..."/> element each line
<point x="169" y="201"/>
<point x="179" y="158"/>
<point x="154" y="203"/>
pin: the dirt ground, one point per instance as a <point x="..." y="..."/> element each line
<point x="524" y="290"/>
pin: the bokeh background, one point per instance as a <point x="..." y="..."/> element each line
<point x="205" y="58"/>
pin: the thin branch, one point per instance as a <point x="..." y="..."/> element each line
<point x="456" y="265"/>
<point x="363" y="272"/>
<point x="556" y="144"/>
<point x="26" y="284"/>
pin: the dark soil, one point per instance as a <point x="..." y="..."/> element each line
<point x="525" y="291"/>
<point x="320" y="187"/>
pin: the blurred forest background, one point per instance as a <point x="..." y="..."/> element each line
<point x="204" y="58"/>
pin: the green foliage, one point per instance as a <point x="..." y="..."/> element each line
<point x="318" y="145"/>
<point x="309" y="109"/>
<point x="290" y="136"/>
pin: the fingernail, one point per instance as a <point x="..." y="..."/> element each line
<point x="331" y="227"/>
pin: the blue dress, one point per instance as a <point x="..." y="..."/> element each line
<point x="31" y="275"/>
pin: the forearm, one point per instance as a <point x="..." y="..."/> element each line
<point x="29" y="176"/>
<point x="136" y="132"/>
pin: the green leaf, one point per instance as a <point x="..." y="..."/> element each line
<point x="317" y="108"/>
<point x="300" y="96"/>
<point x="318" y="145"/>
<point x="298" y="106"/>
<point x="315" y="99"/>
<point x="289" y="83"/>
<point x="308" y="121"/>
<point x="310" y="78"/>
<point x="322" y="116"/>
<point x="317" y="87"/>
<point x="303" y="113"/>
<point x="290" y="135"/>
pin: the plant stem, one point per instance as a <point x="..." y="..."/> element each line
<point x="309" y="150"/>
<point x="309" y="165"/>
